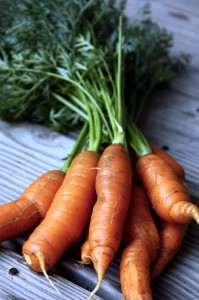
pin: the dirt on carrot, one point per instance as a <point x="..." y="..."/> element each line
<point x="171" y="238"/>
<point x="164" y="155"/>
<point x="141" y="240"/>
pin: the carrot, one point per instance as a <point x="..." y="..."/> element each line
<point x="141" y="239"/>
<point x="171" y="237"/>
<point x="167" y="192"/>
<point x="72" y="205"/>
<point x="114" y="175"/>
<point x="169" y="197"/>
<point x="171" y="234"/>
<point x="113" y="187"/>
<point x="31" y="207"/>
<point x="67" y="216"/>
<point x="177" y="167"/>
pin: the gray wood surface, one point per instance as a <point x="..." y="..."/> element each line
<point x="171" y="118"/>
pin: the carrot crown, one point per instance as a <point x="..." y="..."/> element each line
<point x="137" y="140"/>
<point x="78" y="146"/>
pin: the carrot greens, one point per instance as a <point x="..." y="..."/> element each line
<point x="57" y="37"/>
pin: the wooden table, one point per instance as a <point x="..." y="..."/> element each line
<point x="172" y="119"/>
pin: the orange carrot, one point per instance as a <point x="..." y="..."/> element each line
<point x="171" y="234"/>
<point x="113" y="187"/>
<point x="141" y="238"/>
<point x="169" y="197"/>
<point x="30" y="208"/>
<point x="67" y="216"/>
<point x="177" y="167"/>
<point x="171" y="237"/>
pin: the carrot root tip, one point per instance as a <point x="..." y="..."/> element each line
<point x="95" y="289"/>
<point x="195" y="215"/>
<point x="80" y="262"/>
<point x="41" y="259"/>
<point x="27" y="259"/>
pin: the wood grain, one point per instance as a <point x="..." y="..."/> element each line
<point x="170" y="118"/>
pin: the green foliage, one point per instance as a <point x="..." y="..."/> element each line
<point x="42" y="43"/>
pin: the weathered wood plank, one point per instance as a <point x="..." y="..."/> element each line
<point x="26" y="152"/>
<point x="27" y="284"/>
<point x="181" y="5"/>
<point x="183" y="22"/>
<point x="171" y="118"/>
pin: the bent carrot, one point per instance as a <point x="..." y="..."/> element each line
<point x="168" y="195"/>
<point x="113" y="187"/>
<point x="166" y="191"/>
<point x="31" y="207"/>
<point x="177" y="167"/>
<point x="171" y="234"/>
<point x="141" y="238"/>
<point x="171" y="237"/>
<point x="67" y="216"/>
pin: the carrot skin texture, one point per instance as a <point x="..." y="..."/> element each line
<point x="171" y="237"/>
<point x="132" y="273"/>
<point x="67" y="216"/>
<point x="164" y="155"/>
<point x="166" y="191"/>
<point x="141" y="240"/>
<point x="113" y="187"/>
<point x="31" y="207"/>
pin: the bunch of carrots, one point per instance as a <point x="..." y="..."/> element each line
<point x="113" y="183"/>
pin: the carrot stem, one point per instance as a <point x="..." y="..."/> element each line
<point x="73" y="82"/>
<point x="78" y="111"/>
<point x="115" y="106"/>
<point x="119" y="103"/>
<point x="80" y="142"/>
<point x="137" y="140"/>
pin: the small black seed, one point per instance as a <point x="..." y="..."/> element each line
<point x="165" y="147"/>
<point x="13" y="271"/>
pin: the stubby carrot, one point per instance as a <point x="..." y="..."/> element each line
<point x="169" y="197"/>
<point x="141" y="238"/>
<point x="67" y="216"/>
<point x="31" y="207"/>
<point x="164" y="155"/>
<point x="171" y="237"/>
<point x="113" y="187"/>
